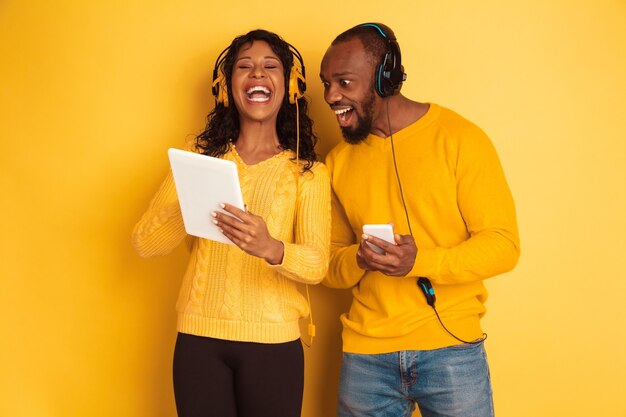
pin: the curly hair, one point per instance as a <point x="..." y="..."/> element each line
<point x="222" y="126"/>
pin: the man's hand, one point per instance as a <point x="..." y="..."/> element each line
<point x="398" y="259"/>
<point x="250" y="233"/>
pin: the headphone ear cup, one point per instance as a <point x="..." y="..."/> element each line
<point x="223" y="95"/>
<point x="389" y="74"/>
<point x="379" y="81"/>
<point x="297" y="84"/>
<point x="219" y="89"/>
<point x="384" y="86"/>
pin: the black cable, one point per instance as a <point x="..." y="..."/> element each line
<point x="395" y="165"/>
<point x="475" y="342"/>
<point x="430" y="298"/>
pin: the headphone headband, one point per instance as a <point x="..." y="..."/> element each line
<point x="385" y="33"/>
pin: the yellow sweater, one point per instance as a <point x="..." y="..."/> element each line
<point x="228" y="294"/>
<point x="463" y="221"/>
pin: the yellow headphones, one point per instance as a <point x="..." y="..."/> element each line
<point x="296" y="84"/>
<point x="296" y="88"/>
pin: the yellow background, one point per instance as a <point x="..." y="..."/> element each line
<point x="92" y="94"/>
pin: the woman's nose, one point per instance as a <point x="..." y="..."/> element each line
<point x="257" y="72"/>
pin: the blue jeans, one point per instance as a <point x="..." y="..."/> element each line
<point x="447" y="382"/>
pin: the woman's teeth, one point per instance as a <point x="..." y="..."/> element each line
<point x="258" y="94"/>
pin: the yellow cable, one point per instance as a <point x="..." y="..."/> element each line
<point x="311" y="326"/>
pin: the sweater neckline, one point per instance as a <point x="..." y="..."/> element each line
<point x="267" y="161"/>
<point x="421" y="123"/>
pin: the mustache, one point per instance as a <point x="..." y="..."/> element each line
<point x="340" y="105"/>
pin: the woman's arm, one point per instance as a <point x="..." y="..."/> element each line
<point x="161" y="227"/>
<point x="306" y="260"/>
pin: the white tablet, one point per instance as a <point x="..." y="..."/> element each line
<point x="203" y="183"/>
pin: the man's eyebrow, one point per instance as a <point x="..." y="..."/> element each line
<point x="338" y="74"/>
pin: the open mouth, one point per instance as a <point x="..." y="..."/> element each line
<point x="344" y="115"/>
<point x="258" y="94"/>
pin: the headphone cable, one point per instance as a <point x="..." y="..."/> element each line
<point x="475" y="342"/>
<point x="406" y="212"/>
<point x="395" y="166"/>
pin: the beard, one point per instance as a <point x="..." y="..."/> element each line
<point x="355" y="135"/>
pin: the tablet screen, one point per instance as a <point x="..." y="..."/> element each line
<point x="202" y="184"/>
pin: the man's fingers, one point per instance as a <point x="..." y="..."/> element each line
<point x="383" y="244"/>
<point x="405" y="240"/>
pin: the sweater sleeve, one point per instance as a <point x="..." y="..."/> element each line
<point x="487" y="208"/>
<point x="306" y="260"/>
<point x="343" y="270"/>
<point x="161" y="227"/>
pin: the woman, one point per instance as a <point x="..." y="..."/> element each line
<point x="238" y="351"/>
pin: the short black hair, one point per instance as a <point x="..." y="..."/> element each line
<point x="374" y="44"/>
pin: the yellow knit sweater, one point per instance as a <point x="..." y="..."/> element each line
<point x="228" y="294"/>
<point x="462" y="217"/>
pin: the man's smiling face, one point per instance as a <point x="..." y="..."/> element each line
<point x="347" y="72"/>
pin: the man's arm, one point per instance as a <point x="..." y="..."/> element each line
<point x="487" y="207"/>
<point x="343" y="271"/>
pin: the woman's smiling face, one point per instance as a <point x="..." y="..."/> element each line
<point x="258" y="82"/>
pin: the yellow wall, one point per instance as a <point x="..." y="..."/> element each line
<point x="92" y="94"/>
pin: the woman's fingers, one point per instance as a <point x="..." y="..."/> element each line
<point x="234" y="210"/>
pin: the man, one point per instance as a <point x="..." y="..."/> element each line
<point x="437" y="178"/>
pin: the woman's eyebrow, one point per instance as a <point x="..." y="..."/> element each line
<point x="265" y="57"/>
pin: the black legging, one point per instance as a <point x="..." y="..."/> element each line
<point x="221" y="378"/>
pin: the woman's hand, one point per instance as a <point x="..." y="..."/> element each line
<point x="250" y="233"/>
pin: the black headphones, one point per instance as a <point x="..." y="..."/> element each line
<point x="296" y="84"/>
<point x="389" y="73"/>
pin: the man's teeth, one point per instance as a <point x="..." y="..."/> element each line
<point x="342" y="113"/>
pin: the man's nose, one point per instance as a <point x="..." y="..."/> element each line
<point x="332" y="95"/>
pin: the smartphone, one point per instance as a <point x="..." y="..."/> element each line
<point x="381" y="231"/>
